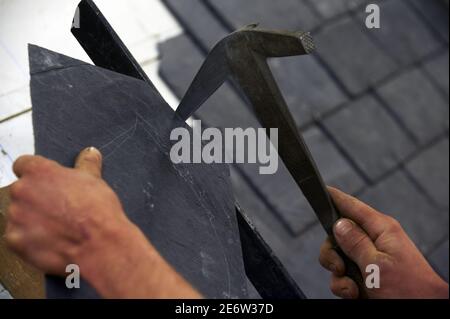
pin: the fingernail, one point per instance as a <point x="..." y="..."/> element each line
<point x="91" y="149"/>
<point x="342" y="227"/>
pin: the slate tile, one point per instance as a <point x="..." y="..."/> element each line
<point x="331" y="8"/>
<point x="431" y="171"/>
<point x="284" y="197"/>
<point x="224" y="108"/>
<point x="299" y="254"/>
<point x="355" y="59"/>
<point x="435" y="13"/>
<point x="418" y="104"/>
<point x="370" y="136"/>
<point x="302" y="262"/>
<point x="335" y="170"/>
<point x="397" y="197"/>
<point x="198" y="20"/>
<point x="438" y="70"/>
<point x="439" y="260"/>
<point x="403" y="34"/>
<point x="283" y="194"/>
<point x="307" y="88"/>
<point x="286" y="14"/>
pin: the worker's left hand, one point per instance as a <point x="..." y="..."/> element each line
<point x="58" y="215"/>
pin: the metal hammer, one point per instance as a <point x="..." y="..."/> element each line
<point x="242" y="56"/>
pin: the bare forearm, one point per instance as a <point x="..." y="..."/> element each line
<point x="131" y="267"/>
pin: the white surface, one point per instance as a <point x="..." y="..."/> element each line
<point x="141" y="24"/>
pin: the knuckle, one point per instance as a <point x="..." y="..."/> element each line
<point x="14" y="240"/>
<point x="17" y="189"/>
<point x="394" y="225"/>
<point x="356" y="244"/>
<point x="14" y="213"/>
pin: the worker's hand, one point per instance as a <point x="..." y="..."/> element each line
<point x="369" y="237"/>
<point x="58" y="215"/>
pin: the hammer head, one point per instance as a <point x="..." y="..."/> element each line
<point x="271" y="43"/>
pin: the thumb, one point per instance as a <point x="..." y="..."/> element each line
<point x="90" y="161"/>
<point x="355" y="243"/>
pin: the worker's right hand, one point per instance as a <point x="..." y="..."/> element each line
<point x="369" y="237"/>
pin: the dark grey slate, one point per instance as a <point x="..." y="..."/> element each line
<point x="335" y="169"/>
<point x="331" y="8"/>
<point x="187" y="211"/>
<point x="352" y="55"/>
<point x="403" y="34"/>
<point x="198" y="20"/>
<point x="439" y="260"/>
<point x="307" y="88"/>
<point x="302" y="262"/>
<point x="431" y="171"/>
<point x="438" y="68"/>
<point x="299" y="253"/>
<point x="225" y="108"/>
<point x="370" y="136"/>
<point x="418" y="104"/>
<point x="286" y="14"/>
<point x="435" y="13"/>
<point x="396" y="196"/>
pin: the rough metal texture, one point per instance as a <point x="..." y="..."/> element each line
<point x="186" y="211"/>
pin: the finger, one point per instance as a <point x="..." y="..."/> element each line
<point x="369" y="219"/>
<point x="90" y="161"/>
<point x="330" y="260"/>
<point x="354" y="242"/>
<point x="344" y="287"/>
<point x="27" y="164"/>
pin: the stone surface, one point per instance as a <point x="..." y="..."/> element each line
<point x="418" y="104"/>
<point x="187" y="211"/>
<point x="286" y="14"/>
<point x="435" y="13"/>
<point x="198" y="20"/>
<point x="431" y="170"/>
<point x="352" y="55"/>
<point x="298" y="79"/>
<point x="437" y="68"/>
<point x="329" y="9"/>
<point x="370" y="136"/>
<point x="403" y="33"/>
<point x="397" y="197"/>
<point x="334" y="168"/>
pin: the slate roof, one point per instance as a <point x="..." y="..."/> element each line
<point x="371" y="104"/>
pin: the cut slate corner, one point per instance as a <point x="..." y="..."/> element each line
<point x="42" y="59"/>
